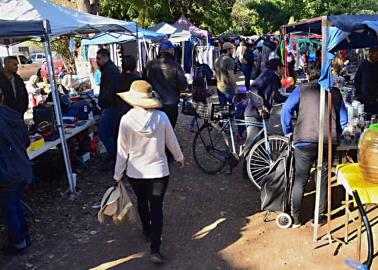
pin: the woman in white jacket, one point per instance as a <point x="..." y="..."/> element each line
<point x="143" y="136"/>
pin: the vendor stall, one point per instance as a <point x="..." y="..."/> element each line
<point x="338" y="32"/>
<point x="57" y="21"/>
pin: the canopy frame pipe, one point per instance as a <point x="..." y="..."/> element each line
<point x="57" y="109"/>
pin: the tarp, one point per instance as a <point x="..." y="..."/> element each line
<point x="345" y="32"/>
<point x="172" y="31"/>
<point x="110" y="38"/>
<point x="14" y="32"/>
<point x="348" y="32"/>
<point x="62" y="20"/>
<point x="185" y="24"/>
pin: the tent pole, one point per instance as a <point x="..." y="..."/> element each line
<point x="57" y="109"/>
<point x="138" y="47"/>
<point x="329" y="186"/>
<point x="321" y="132"/>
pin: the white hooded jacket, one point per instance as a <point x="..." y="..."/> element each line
<point x="142" y="139"/>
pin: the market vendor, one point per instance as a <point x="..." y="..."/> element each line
<point x="15" y="94"/>
<point x="305" y="100"/>
<point x="366" y="82"/>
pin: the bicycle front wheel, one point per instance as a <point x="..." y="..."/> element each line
<point x="258" y="160"/>
<point x="210" y="150"/>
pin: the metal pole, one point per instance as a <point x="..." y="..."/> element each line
<point x="321" y="132"/>
<point x="57" y="109"/>
<point x="138" y="48"/>
<point x="329" y="186"/>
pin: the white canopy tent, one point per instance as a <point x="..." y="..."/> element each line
<point x="176" y="34"/>
<point x="57" y="20"/>
<point x="62" y="20"/>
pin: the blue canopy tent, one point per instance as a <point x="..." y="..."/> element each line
<point x="338" y="33"/>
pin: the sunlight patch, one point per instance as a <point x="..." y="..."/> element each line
<point x="112" y="264"/>
<point x="206" y="230"/>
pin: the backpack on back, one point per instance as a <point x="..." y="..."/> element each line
<point x="200" y="89"/>
<point x="249" y="56"/>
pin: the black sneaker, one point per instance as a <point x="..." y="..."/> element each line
<point x="322" y="221"/>
<point x="157" y="258"/>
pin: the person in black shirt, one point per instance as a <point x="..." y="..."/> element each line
<point x="107" y="101"/>
<point x="14" y="89"/>
<point x="366" y="82"/>
<point x="128" y="76"/>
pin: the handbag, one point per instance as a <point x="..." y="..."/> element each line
<point x="116" y="203"/>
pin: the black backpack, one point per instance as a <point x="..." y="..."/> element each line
<point x="199" y="86"/>
<point x="249" y="56"/>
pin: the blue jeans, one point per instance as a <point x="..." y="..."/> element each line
<point x="226" y="97"/>
<point x="247" y="72"/>
<point x="108" y="129"/>
<point x="12" y="211"/>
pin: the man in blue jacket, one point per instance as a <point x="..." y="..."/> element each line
<point x="15" y="170"/>
<point x="305" y="99"/>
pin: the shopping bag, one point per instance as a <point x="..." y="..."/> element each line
<point x="117" y="204"/>
<point x="125" y="210"/>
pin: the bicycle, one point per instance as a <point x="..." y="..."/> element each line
<point x="214" y="145"/>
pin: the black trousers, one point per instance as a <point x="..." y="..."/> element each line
<point x="150" y="196"/>
<point x="305" y="157"/>
<point x="172" y="112"/>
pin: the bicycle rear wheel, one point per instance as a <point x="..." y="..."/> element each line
<point x="210" y="150"/>
<point x="258" y="160"/>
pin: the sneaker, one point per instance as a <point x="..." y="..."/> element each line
<point x="322" y="221"/>
<point x="157" y="258"/>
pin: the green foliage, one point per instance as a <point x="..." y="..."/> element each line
<point x="239" y="16"/>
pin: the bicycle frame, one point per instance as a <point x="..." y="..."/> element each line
<point x="231" y="122"/>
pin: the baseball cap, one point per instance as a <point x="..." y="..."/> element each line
<point x="228" y="45"/>
<point x="242" y="90"/>
<point x="167" y="45"/>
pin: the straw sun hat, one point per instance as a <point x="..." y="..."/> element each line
<point x="141" y="95"/>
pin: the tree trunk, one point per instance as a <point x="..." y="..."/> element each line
<point x="89" y="6"/>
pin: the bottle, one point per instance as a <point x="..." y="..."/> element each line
<point x="368" y="154"/>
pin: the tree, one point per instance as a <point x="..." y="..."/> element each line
<point x="89" y="6"/>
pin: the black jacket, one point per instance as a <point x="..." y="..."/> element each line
<point x="166" y="77"/>
<point x="366" y="82"/>
<point x="19" y="103"/>
<point x="15" y="166"/>
<point x="266" y="86"/>
<point x="109" y="85"/>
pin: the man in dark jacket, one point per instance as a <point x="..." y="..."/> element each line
<point x="167" y="79"/>
<point x="15" y="170"/>
<point x="108" y="101"/>
<point x="13" y="86"/>
<point x="264" y="90"/>
<point x="306" y="100"/>
<point x="366" y="82"/>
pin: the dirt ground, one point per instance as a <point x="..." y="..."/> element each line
<point x="211" y="223"/>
